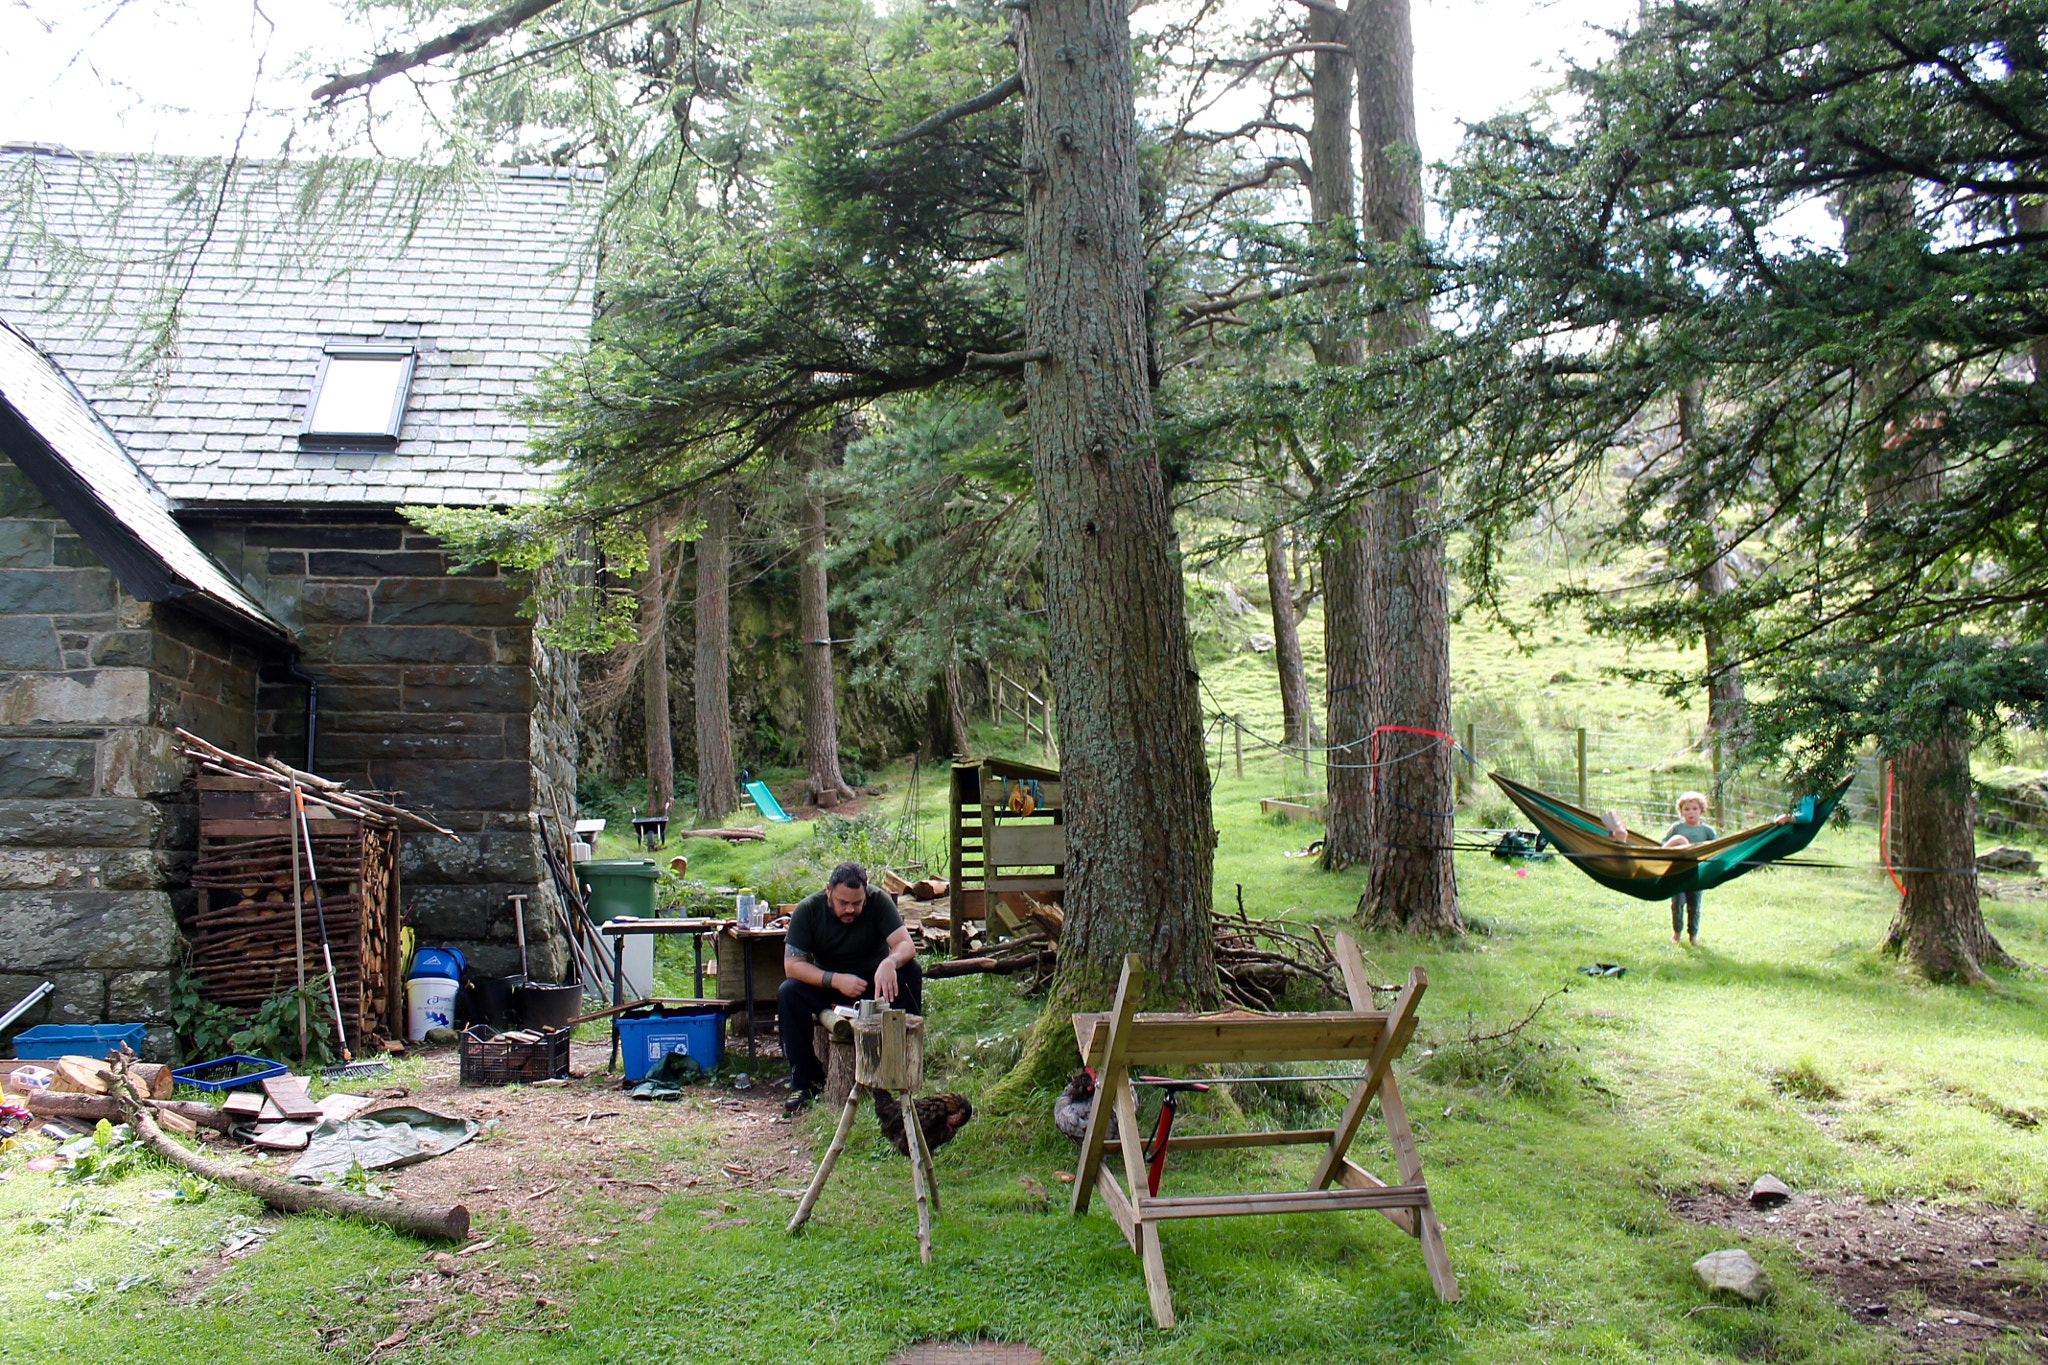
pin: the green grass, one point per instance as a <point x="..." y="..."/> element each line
<point x="1784" y="1043"/>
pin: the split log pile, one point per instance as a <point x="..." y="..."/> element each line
<point x="1257" y="960"/>
<point x="255" y="929"/>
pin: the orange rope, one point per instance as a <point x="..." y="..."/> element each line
<point x="1884" y="832"/>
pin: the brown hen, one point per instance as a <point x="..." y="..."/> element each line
<point x="940" y="1116"/>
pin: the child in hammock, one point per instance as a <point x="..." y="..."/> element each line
<point x="1691" y="828"/>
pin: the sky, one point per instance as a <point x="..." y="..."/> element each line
<point x="181" y="76"/>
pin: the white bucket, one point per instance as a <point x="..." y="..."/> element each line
<point x="429" y="1003"/>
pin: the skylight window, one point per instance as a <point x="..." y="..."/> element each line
<point x="359" y="396"/>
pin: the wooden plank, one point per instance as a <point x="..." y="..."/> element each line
<point x="1390" y="1043"/>
<point x="1171" y="1039"/>
<point x="1016" y="845"/>
<point x="1208" y="1142"/>
<point x="288" y="1093"/>
<point x="1119" y="1205"/>
<point x="1290" y="1201"/>
<point x="999" y="884"/>
<point x="1098" y="1113"/>
<point x="1435" y="1256"/>
<point x="1351" y="963"/>
<point x="1353" y="1176"/>
<point x="264" y="829"/>
<point x="242" y="1105"/>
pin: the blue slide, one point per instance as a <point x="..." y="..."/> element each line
<point x="765" y="802"/>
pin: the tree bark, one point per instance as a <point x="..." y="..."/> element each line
<point x="1725" y="698"/>
<point x="1410" y="883"/>
<point x="1140" y="841"/>
<point x="717" y="789"/>
<point x="956" y="714"/>
<point x="1939" y="926"/>
<point x="661" y="754"/>
<point x="1286" y="644"/>
<point x="1347" y="587"/>
<point x="814" y="618"/>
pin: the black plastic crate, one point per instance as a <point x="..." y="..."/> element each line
<point x="491" y="1058"/>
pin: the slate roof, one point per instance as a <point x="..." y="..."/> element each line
<point x="490" y="281"/>
<point x="48" y="428"/>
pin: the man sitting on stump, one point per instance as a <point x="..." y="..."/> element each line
<point x="845" y="943"/>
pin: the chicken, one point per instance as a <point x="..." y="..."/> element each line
<point x="1070" y="1111"/>
<point x="939" y="1116"/>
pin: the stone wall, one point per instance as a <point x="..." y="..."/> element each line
<point x="432" y="687"/>
<point x="96" y="829"/>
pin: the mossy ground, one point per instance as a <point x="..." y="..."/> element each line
<point x="1783" y="1043"/>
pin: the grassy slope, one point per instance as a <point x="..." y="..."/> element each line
<point x="1782" y="1044"/>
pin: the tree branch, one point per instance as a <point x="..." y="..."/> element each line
<point x="467" y="38"/>
<point x="987" y="99"/>
<point x="1191" y="311"/>
<point x="982" y="360"/>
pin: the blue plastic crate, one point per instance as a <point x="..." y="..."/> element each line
<point x="228" y="1073"/>
<point x="644" y="1042"/>
<point x="45" y="1041"/>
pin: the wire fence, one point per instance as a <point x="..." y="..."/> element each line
<point x="1639" y="773"/>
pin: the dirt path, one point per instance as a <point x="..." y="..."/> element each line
<point x="1947" y="1282"/>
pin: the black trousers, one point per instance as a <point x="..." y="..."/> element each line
<point x="796" y="1013"/>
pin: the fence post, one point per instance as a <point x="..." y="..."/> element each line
<point x="1582" y="768"/>
<point x="1237" y="734"/>
<point x="1046" y="720"/>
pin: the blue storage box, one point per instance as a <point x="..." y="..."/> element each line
<point x="45" y="1041"/>
<point x="644" y="1042"/>
<point x="228" y="1073"/>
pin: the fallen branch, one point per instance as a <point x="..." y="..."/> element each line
<point x="97" y="1107"/>
<point x="737" y="834"/>
<point x="1000" y="966"/>
<point x="438" y="1222"/>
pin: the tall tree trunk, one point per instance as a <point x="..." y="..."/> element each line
<point x="661" y="754"/>
<point x="1140" y="842"/>
<point x="1939" y="926"/>
<point x="956" y="714"/>
<point x="814" y="621"/>
<point x="1347" y="587"/>
<point x="1411" y="884"/>
<point x="1725" y="700"/>
<point x="1286" y="643"/>
<point x="717" y="788"/>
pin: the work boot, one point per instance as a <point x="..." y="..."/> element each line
<point x="799" y="1099"/>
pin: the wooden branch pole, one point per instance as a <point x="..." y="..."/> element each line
<point x="431" y="1221"/>
<point x="888" y="1054"/>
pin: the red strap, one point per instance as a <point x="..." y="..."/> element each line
<point x="1884" y="832"/>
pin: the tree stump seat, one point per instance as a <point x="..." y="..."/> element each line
<point x="832" y="1039"/>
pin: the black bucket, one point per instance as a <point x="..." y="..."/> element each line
<point x="495" y="1002"/>
<point x="545" y="1006"/>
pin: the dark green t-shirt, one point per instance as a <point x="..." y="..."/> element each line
<point x="1694" y="834"/>
<point x="836" y="947"/>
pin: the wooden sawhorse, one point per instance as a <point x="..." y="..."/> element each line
<point x="1113" y="1043"/>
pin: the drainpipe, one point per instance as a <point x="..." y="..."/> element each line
<point x="292" y="670"/>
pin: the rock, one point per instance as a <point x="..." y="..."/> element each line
<point x="2005" y="859"/>
<point x="1235" y="602"/>
<point x="1768" y="1192"/>
<point x="441" y="1037"/>
<point x="1259" y="644"/>
<point x="1732" y="1272"/>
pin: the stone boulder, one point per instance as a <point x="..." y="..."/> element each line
<point x="1732" y="1272"/>
<point x="2005" y="859"/>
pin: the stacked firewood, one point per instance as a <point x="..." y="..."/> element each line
<point x="1257" y="960"/>
<point x="246" y="937"/>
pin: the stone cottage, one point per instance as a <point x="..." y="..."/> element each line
<point x="217" y="387"/>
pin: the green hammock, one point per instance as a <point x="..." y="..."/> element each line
<point x="1641" y="867"/>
